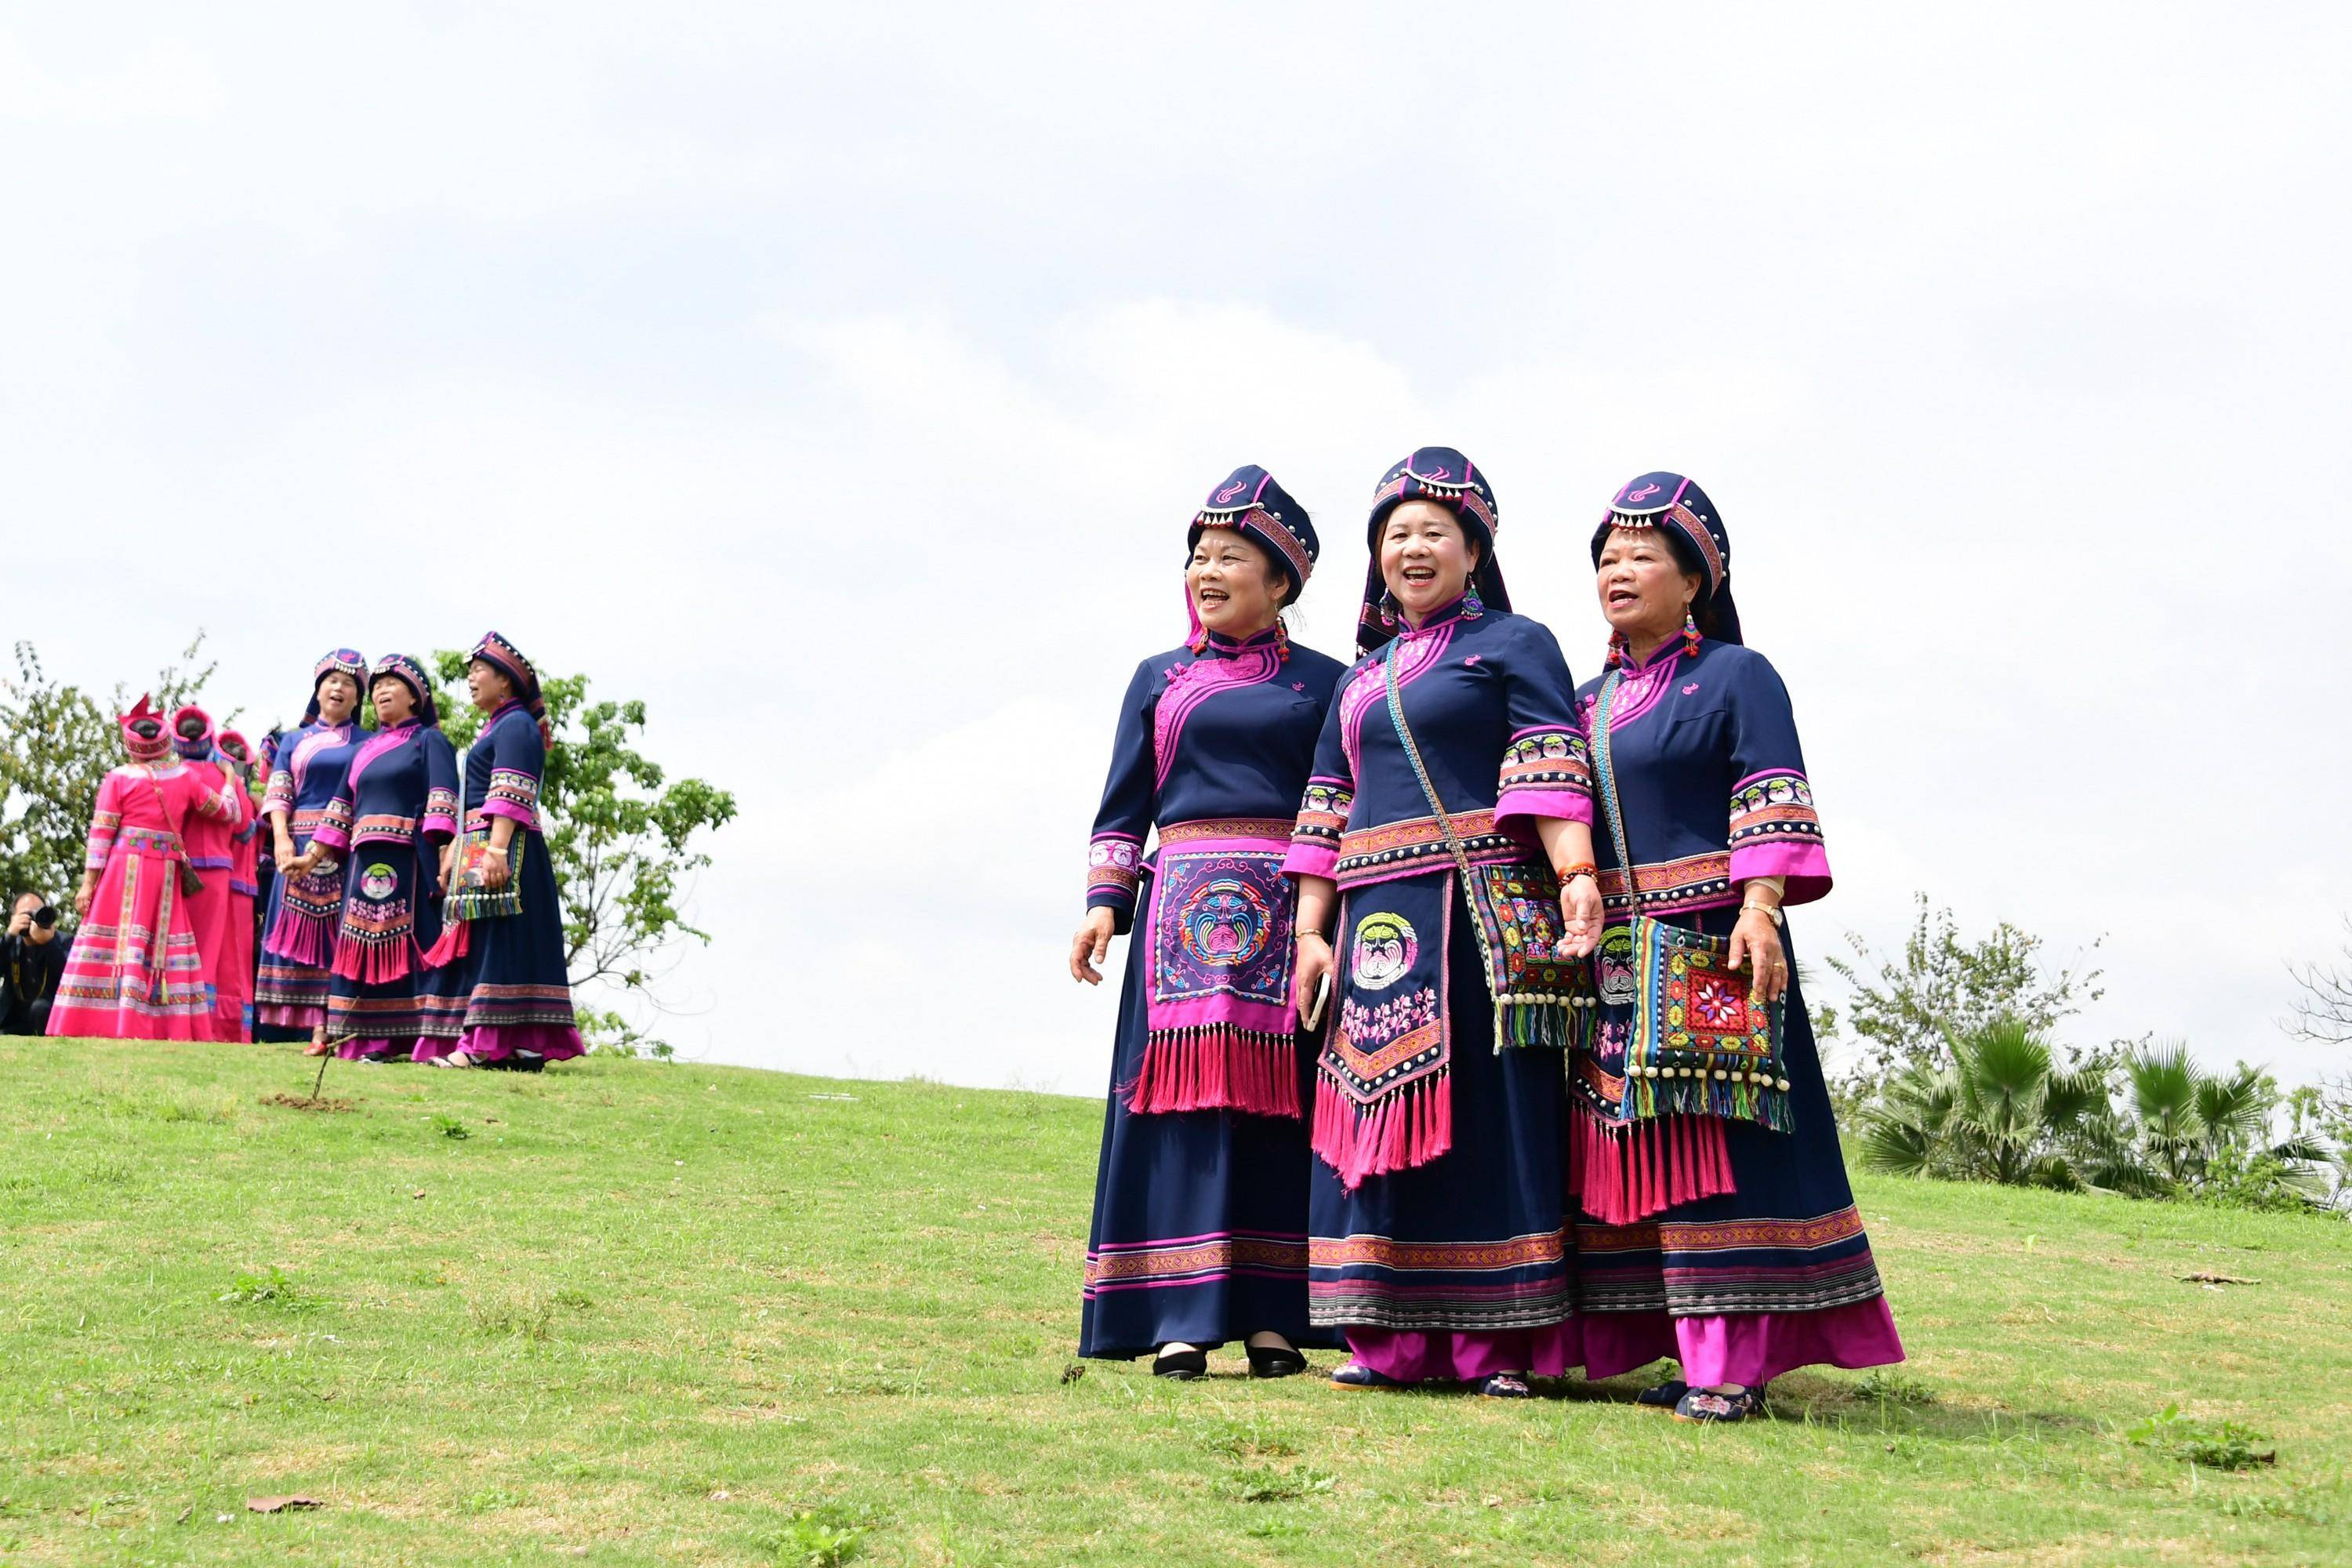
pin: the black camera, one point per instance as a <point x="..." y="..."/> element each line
<point x="45" y="917"/>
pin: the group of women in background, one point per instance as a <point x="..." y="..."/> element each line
<point x="1460" y="1026"/>
<point x="411" y="913"/>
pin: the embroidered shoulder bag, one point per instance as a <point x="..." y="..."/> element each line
<point x="1696" y="1040"/>
<point x="1515" y="910"/>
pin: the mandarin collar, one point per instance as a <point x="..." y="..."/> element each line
<point x="1444" y="615"/>
<point x="1220" y="646"/>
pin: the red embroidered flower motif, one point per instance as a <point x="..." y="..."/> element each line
<point x="1719" y="1006"/>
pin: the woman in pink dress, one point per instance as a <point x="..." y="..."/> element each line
<point x="135" y="972"/>
<point x="211" y="843"/>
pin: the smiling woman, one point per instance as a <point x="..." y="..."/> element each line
<point x="1200" y="1224"/>
<point x="306" y="902"/>
<point x="1448" y="819"/>
<point x="1719" y="1228"/>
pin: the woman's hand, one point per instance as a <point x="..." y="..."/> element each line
<point x="496" y="868"/>
<point x="1756" y="944"/>
<point x="82" y="896"/>
<point x="1092" y="941"/>
<point x="284" y="855"/>
<point x="1314" y="963"/>
<point x="1580" y="908"/>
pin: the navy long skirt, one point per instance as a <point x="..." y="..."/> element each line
<point x="1776" y="1274"/>
<point x="1200" y="1226"/>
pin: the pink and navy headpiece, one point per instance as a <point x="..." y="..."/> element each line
<point x="237" y="749"/>
<point x="342" y="662"/>
<point x="192" y="733"/>
<point x="505" y="657"/>
<point x="1442" y="475"/>
<point x="143" y="735"/>
<point x="1251" y="502"/>
<point x="1692" y="529"/>
<point x="410" y="674"/>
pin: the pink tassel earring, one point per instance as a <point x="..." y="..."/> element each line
<point x="1690" y="635"/>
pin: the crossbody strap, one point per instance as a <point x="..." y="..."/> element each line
<point x="1412" y="755"/>
<point x="176" y="824"/>
<point x="1608" y="772"/>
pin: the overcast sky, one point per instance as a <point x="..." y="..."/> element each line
<point x="840" y="381"/>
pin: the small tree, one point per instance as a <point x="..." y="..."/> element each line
<point x="621" y="838"/>
<point x="56" y="744"/>
<point x="1998" y="1108"/>
<point x="2322" y="1013"/>
<point x="1904" y="1012"/>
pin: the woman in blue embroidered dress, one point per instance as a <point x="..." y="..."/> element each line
<point x="396" y="806"/>
<point x="306" y="906"/>
<point x="1719" y="1228"/>
<point x="1200" y="1222"/>
<point x="1439" y="1230"/>
<point x="505" y="997"/>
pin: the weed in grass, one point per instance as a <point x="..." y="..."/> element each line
<point x="521" y="1317"/>
<point x="1255" y="1440"/>
<point x="1263" y="1483"/>
<point x="1885" y="1386"/>
<point x="450" y="1127"/>
<point x="824" y="1537"/>
<point x="572" y="1299"/>
<point x="2215" y="1445"/>
<point x="270" y="1289"/>
<point x="2291" y="1507"/>
<point x="491" y="1501"/>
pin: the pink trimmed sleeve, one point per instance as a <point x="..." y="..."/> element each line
<point x="1547" y="769"/>
<point x="1774" y="829"/>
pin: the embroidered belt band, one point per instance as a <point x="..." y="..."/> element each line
<point x="1418" y="844"/>
<point x="1219" y="1031"/>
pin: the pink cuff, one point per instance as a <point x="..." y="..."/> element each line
<point x="439" y="825"/>
<point x="1805" y="865"/>
<point x="1311" y="860"/>
<point x="521" y="813"/>
<point x="333" y="837"/>
<point x="1560" y="805"/>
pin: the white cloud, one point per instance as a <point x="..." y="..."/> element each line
<point x="840" y="386"/>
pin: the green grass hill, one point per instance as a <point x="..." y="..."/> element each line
<point x="630" y="1312"/>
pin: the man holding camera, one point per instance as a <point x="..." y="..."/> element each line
<point x="31" y="960"/>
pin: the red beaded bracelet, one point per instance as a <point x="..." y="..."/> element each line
<point x="1567" y="873"/>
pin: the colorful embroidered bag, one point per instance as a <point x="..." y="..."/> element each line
<point x="1515" y="912"/>
<point x="1696" y="1041"/>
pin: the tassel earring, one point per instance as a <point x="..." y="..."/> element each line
<point x="1616" y="650"/>
<point x="1690" y="634"/>
<point x="1387" y="609"/>
<point x="1281" y="640"/>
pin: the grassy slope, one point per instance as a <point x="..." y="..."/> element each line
<point x="644" y="1314"/>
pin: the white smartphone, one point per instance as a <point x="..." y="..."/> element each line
<point x="1322" y="999"/>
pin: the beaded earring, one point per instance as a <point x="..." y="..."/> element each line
<point x="1281" y="640"/>
<point x="1387" y="609"/>
<point x="1690" y="634"/>
<point x="1473" y="606"/>
<point x="1616" y="650"/>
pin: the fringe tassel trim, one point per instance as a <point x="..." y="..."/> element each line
<point x="1631" y="1170"/>
<point x="1739" y="1094"/>
<point x="1216" y="1067"/>
<point x="1399" y="1132"/>
<point x="1534" y="1020"/>
<point x="300" y="938"/>
<point x="451" y="947"/>
<point x="375" y="962"/>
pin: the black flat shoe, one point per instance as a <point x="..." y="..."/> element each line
<point x="1184" y="1366"/>
<point x="1267" y="1362"/>
<point x="1664" y="1396"/>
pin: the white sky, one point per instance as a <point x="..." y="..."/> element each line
<point x="840" y="381"/>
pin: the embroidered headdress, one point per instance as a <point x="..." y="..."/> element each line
<point x="1444" y="476"/>
<point x="237" y="749"/>
<point x="410" y="674"/>
<point x="342" y="662"/>
<point x="192" y="733"/>
<point x="1249" y="501"/>
<point x="1692" y="529"/>
<point x="508" y="660"/>
<point x="143" y="735"/>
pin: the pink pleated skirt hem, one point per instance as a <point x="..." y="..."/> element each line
<point x="1749" y="1348"/>
<point x="495" y="1043"/>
